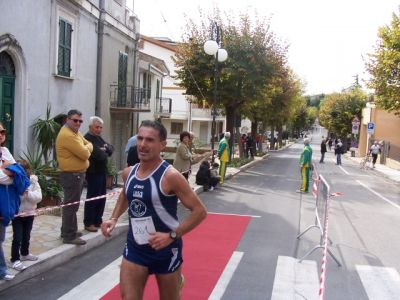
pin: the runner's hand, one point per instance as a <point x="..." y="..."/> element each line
<point x="159" y="240"/>
<point x="107" y="227"/>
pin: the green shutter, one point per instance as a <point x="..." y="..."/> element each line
<point x="64" y="48"/>
<point x="122" y="74"/>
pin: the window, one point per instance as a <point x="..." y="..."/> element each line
<point x="64" y="48"/>
<point x="147" y="85"/>
<point x="122" y="72"/>
<point x="176" y="128"/>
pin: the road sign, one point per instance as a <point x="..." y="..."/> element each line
<point x="355" y="128"/>
<point x="370" y="128"/>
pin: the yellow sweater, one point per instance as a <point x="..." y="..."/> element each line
<point x="73" y="151"/>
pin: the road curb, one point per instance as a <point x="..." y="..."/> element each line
<point x="60" y="255"/>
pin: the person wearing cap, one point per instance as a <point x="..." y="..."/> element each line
<point x="224" y="154"/>
<point x="305" y="166"/>
<point x="374" y="151"/>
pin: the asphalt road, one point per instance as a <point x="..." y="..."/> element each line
<point x="363" y="228"/>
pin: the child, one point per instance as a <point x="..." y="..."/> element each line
<point x="205" y="177"/>
<point x="22" y="226"/>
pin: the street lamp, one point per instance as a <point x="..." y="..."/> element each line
<point x="213" y="47"/>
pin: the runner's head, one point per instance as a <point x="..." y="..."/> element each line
<point x="151" y="140"/>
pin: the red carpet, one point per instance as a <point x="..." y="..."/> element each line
<point x="206" y="251"/>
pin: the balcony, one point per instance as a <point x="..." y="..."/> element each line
<point x="128" y="99"/>
<point x="163" y="107"/>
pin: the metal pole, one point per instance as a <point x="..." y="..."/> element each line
<point x="214" y="110"/>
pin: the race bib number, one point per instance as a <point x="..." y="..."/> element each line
<point x="141" y="229"/>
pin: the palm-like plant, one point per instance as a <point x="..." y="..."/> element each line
<point x="46" y="131"/>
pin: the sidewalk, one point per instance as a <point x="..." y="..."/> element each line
<point x="387" y="172"/>
<point x="47" y="244"/>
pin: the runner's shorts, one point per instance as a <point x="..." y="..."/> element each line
<point x="164" y="261"/>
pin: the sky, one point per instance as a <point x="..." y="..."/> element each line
<point x="328" y="40"/>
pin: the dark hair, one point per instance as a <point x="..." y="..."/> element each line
<point x="183" y="134"/>
<point x="206" y="163"/>
<point x="2" y="144"/>
<point x="162" y="132"/>
<point x="73" y="112"/>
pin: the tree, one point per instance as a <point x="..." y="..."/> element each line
<point x="384" y="67"/>
<point x="338" y="110"/>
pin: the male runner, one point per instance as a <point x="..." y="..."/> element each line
<point x="151" y="191"/>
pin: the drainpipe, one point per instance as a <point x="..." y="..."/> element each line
<point x="100" y="33"/>
<point x="134" y="83"/>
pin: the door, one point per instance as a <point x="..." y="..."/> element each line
<point x="7" y="108"/>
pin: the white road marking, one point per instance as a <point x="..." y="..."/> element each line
<point x="295" y="280"/>
<point x="226" y="214"/>
<point x="379" y="195"/>
<point x="347" y="173"/>
<point x="97" y="285"/>
<point x="226" y="276"/>
<point x="380" y="282"/>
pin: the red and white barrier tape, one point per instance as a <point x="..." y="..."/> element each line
<point x="45" y="210"/>
<point x="324" y="258"/>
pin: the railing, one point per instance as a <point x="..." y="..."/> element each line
<point x="164" y="106"/>
<point x="129" y="98"/>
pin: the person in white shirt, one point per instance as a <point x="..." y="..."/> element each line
<point x="374" y="151"/>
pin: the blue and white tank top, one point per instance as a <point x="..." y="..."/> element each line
<point x="146" y="199"/>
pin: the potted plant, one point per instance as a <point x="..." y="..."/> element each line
<point x="111" y="173"/>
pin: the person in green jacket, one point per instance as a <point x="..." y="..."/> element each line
<point x="305" y="166"/>
<point x="224" y="154"/>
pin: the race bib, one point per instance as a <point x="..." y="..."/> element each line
<point x="141" y="229"/>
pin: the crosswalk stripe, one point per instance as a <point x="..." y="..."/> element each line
<point x="295" y="280"/>
<point x="226" y="276"/>
<point x="380" y="282"/>
<point x="97" y="285"/>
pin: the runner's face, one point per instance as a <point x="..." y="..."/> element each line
<point x="149" y="144"/>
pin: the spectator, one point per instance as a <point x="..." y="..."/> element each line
<point x="96" y="175"/>
<point x="22" y="226"/>
<point x="249" y="145"/>
<point x="131" y="142"/>
<point x="224" y="154"/>
<point x="183" y="157"/>
<point x="206" y="177"/>
<point x="323" y="151"/>
<point x="330" y="144"/>
<point x="338" y="151"/>
<point x="305" y="166"/>
<point x="73" y="152"/>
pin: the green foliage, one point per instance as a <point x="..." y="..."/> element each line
<point x="46" y="172"/>
<point x="384" y="67"/>
<point x="111" y="169"/>
<point x="339" y="109"/>
<point x="238" y="162"/>
<point x="46" y="131"/>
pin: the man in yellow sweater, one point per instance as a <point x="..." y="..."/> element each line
<point x="73" y="152"/>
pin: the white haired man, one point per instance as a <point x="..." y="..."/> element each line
<point x="224" y="154"/>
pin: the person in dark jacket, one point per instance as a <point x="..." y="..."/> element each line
<point x="323" y="151"/>
<point x="133" y="157"/>
<point x="96" y="175"/>
<point x="338" y="152"/>
<point x="205" y="177"/>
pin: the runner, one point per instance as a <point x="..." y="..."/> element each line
<point x="151" y="192"/>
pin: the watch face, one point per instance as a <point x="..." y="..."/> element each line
<point x="172" y="234"/>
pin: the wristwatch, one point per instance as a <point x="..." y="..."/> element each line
<point x="173" y="235"/>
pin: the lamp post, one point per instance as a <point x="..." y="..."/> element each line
<point x="213" y="47"/>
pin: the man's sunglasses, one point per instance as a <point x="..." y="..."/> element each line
<point x="3" y="132"/>
<point x="77" y="120"/>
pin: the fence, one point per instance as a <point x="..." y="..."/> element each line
<point x="322" y="195"/>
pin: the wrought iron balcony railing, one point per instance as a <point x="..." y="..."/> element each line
<point x="128" y="98"/>
<point x="164" y="107"/>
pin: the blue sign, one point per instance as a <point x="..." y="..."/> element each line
<point x="370" y="127"/>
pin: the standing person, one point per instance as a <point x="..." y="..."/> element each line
<point x="6" y="159"/>
<point x="131" y="142"/>
<point x="22" y="226"/>
<point x="96" y="175"/>
<point x="154" y="241"/>
<point x="249" y="145"/>
<point x="224" y="154"/>
<point x="183" y="157"/>
<point x="323" y="151"/>
<point x="305" y="165"/>
<point x="338" y="151"/>
<point x="374" y="151"/>
<point x="73" y="152"/>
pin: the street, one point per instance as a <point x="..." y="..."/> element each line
<point x="363" y="226"/>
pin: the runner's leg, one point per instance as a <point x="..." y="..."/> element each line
<point x="133" y="279"/>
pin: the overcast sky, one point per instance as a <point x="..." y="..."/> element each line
<point x="328" y="40"/>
